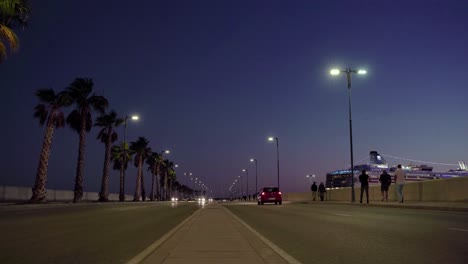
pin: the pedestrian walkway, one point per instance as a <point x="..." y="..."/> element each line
<point x="442" y="206"/>
<point x="212" y="235"/>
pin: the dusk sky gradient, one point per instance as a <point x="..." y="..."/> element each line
<point x="212" y="79"/>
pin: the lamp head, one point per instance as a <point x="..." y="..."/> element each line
<point x="334" y="72"/>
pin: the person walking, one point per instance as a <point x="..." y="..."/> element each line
<point x="322" y="191"/>
<point x="313" y="188"/>
<point x="400" y="176"/>
<point x="385" y="181"/>
<point x="364" y="180"/>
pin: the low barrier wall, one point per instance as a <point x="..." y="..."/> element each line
<point x="15" y="194"/>
<point x="441" y="190"/>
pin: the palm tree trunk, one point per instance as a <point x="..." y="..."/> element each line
<point x="137" y="195"/>
<point x="79" y="169"/>
<point x="104" y="194"/>
<point x="122" y="180"/>
<point x="39" y="191"/>
<point x="157" y="184"/>
<point x="143" y="193"/>
<point x="152" y="185"/>
<point x="165" y="186"/>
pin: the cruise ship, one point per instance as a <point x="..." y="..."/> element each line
<point x="377" y="164"/>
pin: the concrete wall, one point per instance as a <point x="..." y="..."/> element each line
<point x="442" y="190"/>
<point x="15" y="194"/>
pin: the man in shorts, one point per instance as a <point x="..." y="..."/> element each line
<point x="385" y="181"/>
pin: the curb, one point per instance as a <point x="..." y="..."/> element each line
<point x="145" y="253"/>
<point x="400" y="206"/>
<point x="275" y="248"/>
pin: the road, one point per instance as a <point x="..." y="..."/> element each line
<point x="327" y="233"/>
<point x="85" y="233"/>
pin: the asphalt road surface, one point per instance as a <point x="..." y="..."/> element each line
<point x="85" y="233"/>
<point x="330" y="233"/>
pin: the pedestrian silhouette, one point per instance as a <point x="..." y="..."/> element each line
<point x="400" y="176"/>
<point x="364" y="180"/>
<point x="322" y="191"/>
<point x="313" y="188"/>
<point x="385" y="181"/>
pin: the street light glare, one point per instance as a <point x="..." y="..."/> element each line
<point x="252" y="160"/>
<point x="243" y="170"/>
<point x="135" y="117"/>
<point x="335" y="72"/>
<point x="271" y="139"/>
<point x="362" y="72"/>
<point x="167" y="151"/>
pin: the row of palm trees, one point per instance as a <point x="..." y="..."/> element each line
<point x="79" y="94"/>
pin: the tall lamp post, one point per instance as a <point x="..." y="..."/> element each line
<point x="256" y="187"/>
<point x="310" y="177"/>
<point x="247" y="176"/>
<point x="277" y="156"/>
<point x="162" y="158"/>
<point x="240" y="186"/>
<point x="133" y="117"/>
<point x="348" y="72"/>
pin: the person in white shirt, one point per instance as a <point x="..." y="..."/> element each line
<point x="400" y="176"/>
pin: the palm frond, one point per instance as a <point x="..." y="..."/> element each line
<point x="46" y="96"/>
<point x="80" y="89"/>
<point x="10" y="37"/>
<point x="3" y="52"/>
<point x="41" y="112"/>
<point x="74" y="120"/>
<point x="98" y="103"/>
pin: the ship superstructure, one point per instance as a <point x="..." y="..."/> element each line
<point x="377" y="164"/>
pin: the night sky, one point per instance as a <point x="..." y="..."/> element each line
<point x="211" y="80"/>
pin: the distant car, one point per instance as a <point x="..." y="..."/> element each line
<point x="269" y="195"/>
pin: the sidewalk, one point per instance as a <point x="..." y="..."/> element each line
<point x="212" y="235"/>
<point x="441" y="206"/>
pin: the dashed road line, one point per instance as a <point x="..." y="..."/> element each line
<point x="346" y="215"/>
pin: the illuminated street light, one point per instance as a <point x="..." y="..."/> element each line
<point x="122" y="193"/>
<point x="277" y="156"/>
<point x="247" y="176"/>
<point x="310" y="177"/>
<point x="348" y="72"/>
<point x="256" y="176"/>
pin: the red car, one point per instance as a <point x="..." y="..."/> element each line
<point x="269" y="195"/>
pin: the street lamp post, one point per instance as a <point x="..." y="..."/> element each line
<point x="348" y="72"/>
<point x="122" y="193"/>
<point x="247" y="175"/>
<point x="277" y="157"/>
<point x="310" y="177"/>
<point x="240" y="186"/>
<point x="256" y="174"/>
<point x="164" y="187"/>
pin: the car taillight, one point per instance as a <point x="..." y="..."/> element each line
<point x="263" y="193"/>
<point x="279" y="193"/>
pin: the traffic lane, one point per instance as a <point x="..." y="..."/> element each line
<point x="338" y="233"/>
<point x="106" y="233"/>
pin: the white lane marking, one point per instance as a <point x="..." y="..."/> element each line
<point x="342" y="215"/>
<point x="458" y="229"/>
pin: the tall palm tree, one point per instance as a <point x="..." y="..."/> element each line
<point x="81" y="121"/>
<point x="169" y="166"/>
<point x="171" y="177"/>
<point x="49" y="112"/>
<point x="142" y="152"/>
<point x="12" y="12"/>
<point x="121" y="155"/>
<point x="154" y="161"/>
<point x="107" y="135"/>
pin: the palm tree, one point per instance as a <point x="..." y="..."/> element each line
<point x="11" y="12"/>
<point x="154" y="161"/>
<point x="171" y="177"/>
<point x="81" y="120"/>
<point x="142" y="152"/>
<point x="49" y="112"/>
<point x="107" y="135"/>
<point x="121" y="155"/>
<point x="167" y="168"/>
